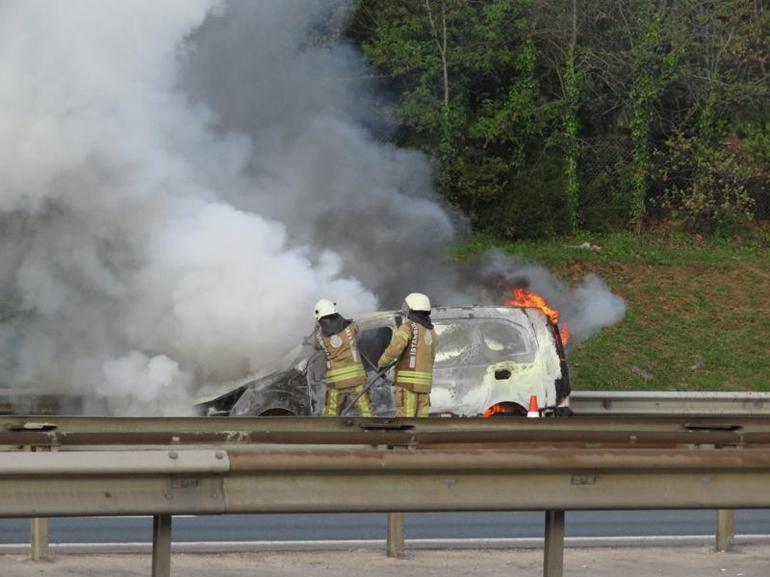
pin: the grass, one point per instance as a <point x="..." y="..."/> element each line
<point x="698" y="314"/>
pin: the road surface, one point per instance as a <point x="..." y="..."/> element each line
<point x="372" y="526"/>
<point x="750" y="561"/>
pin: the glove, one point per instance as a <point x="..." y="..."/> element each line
<point x="384" y="368"/>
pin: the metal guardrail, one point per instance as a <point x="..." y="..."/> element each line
<point x="380" y="480"/>
<point x="67" y="432"/>
<point x="669" y="403"/>
<point x="61" y="466"/>
<point x="584" y="402"/>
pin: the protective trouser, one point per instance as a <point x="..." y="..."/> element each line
<point x="337" y="401"/>
<point x="411" y="404"/>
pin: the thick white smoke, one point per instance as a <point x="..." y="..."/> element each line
<point x="269" y="70"/>
<point x="123" y="270"/>
<point x="181" y="180"/>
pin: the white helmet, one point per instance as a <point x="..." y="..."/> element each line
<point x="324" y="308"/>
<point x="417" y="302"/>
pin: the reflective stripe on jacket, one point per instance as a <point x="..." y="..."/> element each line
<point x="343" y="362"/>
<point x="415" y="348"/>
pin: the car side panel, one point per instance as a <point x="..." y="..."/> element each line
<point x="473" y="387"/>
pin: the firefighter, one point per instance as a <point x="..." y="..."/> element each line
<point x="413" y="349"/>
<point x="345" y="374"/>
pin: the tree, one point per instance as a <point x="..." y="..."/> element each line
<point x="710" y="177"/>
<point x="572" y="102"/>
<point x="464" y="75"/>
<point x="545" y="116"/>
<point x="653" y="67"/>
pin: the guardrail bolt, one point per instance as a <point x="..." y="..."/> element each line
<point x="173" y="455"/>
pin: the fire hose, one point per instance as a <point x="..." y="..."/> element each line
<point x="379" y="374"/>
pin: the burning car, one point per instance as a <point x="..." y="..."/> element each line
<point x="490" y="361"/>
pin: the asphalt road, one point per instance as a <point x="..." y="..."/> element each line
<point x="372" y="526"/>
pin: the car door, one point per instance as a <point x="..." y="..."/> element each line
<point x="477" y="357"/>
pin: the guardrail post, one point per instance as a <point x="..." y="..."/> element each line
<point x="38" y="526"/>
<point x="725" y="537"/>
<point x="553" y="561"/>
<point x="395" y="544"/>
<point x="161" y="546"/>
<point x="38" y="529"/>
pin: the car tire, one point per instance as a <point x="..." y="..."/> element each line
<point x="277" y="412"/>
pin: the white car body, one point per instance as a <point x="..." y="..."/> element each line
<point x="488" y="358"/>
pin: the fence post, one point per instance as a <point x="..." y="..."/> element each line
<point x="725" y="537"/>
<point x="38" y="528"/>
<point x="395" y="544"/>
<point x="553" y="552"/>
<point x="161" y="546"/>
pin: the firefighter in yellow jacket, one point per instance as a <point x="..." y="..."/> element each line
<point x="345" y="374"/>
<point x="413" y="349"/>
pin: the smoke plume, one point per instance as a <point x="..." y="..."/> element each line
<point x="181" y="180"/>
<point x="586" y="308"/>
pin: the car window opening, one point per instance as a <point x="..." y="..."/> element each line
<point x="463" y="342"/>
<point x="371" y="344"/>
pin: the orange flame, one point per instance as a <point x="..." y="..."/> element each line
<point x="494" y="410"/>
<point x="523" y="299"/>
<point x="564" y="334"/>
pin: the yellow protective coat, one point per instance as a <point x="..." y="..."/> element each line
<point x="345" y="375"/>
<point x="344" y="369"/>
<point x="414" y="347"/>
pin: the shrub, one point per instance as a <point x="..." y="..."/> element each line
<point x="703" y="187"/>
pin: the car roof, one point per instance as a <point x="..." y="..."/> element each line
<point x="210" y="392"/>
<point x="443" y="312"/>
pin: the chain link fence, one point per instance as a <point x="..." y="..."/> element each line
<point x="604" y="170"/>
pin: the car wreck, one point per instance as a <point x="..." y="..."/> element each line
<point x="490" y="361"/>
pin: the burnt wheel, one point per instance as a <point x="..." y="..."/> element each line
<point x="277" y="413"/>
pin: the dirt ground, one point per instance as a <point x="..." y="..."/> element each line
<point x="749" y="561"/>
